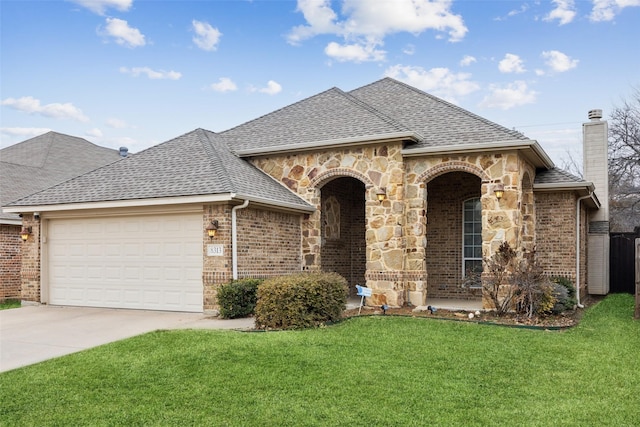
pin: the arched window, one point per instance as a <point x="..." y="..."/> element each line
<point x="472" y="236"/>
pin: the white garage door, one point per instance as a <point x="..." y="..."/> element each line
<point x="151" y="262"/>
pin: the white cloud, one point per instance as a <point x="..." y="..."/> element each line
<point x="606" y="10"/>
<point x="513" y="12"/>
<point x="94" y="133"/>
<point x="409" y="49"/>
<point x="353" y="52"/>
<point x="439" y="81"/>
<point x="225" y="84"/>
<point x="123" y="34"/>
<point x="117" y="123"/>
<point x="272" y="88"/>
<point x="100" y="6"/>
<point x="513" y="95"/>
<point x="31" y="105"/>
<point x="365" y="23"/>
<point x="207" y="37"/>
<point x="511" y="64"/>
<point x="558" y="61"/>
<point x="564" y="12"/>
<point x="152" y="74"/>
<point x="467" y="60"/>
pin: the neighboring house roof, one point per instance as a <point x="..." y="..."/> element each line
<point x="197" y="163"/>
<point x="43" y="161"/>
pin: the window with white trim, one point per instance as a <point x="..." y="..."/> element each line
<point x="472" y="236"/>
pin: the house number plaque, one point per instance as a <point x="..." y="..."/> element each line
<point x="215" y="250"/>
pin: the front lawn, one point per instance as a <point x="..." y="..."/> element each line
<point x="10" y="303"/>
<point x="368" y="371"/>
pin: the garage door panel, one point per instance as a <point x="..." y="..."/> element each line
<point x="146" y="262"/>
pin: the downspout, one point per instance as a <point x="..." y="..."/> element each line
<point x="234" y="238"/>
<point x="578" y="249"/>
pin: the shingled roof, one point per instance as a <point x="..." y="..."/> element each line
<point x="437" y="121"/>
<point x="332" y="115"/>
<point x="196" y="163"/>
<point x="46" y="160"/>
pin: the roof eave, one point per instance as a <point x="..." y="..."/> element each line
<point x="530" y="148"/>
<point x="277" y="204"/>
<point x="584" y="188"/>
<point x="331" y="143"/>
<point x="160" y="201"/>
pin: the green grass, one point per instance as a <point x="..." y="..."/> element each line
<point x="10" y="303"/>
<point x="367" y="371"/>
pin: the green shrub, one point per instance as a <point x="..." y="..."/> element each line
<point x="565" y="294"/>
<point x="238" y="298"/>
<point x="300" y="300"/>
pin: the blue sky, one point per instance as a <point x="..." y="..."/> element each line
<point x="137" y="73"/>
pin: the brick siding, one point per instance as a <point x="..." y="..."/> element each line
<point x="10" y="261"/>
<point x="445" y="197"/>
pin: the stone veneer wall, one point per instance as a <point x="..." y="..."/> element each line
<point x="556" y="235"/>
<point x="31" y="258"/>
<point x="396" y="228"/>
<point x="445" y="198"/>
<point x="10" y="261"/>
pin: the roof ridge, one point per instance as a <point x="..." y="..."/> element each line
<point x="401" y="126"/>
<point x="464" y="111"/>
<point x="217" y="164"/>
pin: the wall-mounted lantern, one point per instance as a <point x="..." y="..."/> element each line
<point x="212" y="229"/>
<point x="498" y="190"/>
<point x="381" y="194"/>
<point x="25" y="233"/>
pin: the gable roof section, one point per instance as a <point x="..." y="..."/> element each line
<point x="195" y="164"/>
<point x="556" y="180"/>
<point x="439" y="122"/>
<point x="329" y="119"/>
<point x="46" y="160"/>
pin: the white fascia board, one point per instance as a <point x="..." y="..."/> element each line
<point x="331" y="143"/>
<point x="292" y="207"/>
<point x="537" y="155"/>
<point x="161" y="201"/>
<point x="10" y="222"/>
<point x="585" y="188"/>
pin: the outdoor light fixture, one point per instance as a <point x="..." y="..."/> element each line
<point x="212" y="229"/>
<point x="498" y="189"/>
<point x="381" y="194"/>
<point x="25" y="233"/>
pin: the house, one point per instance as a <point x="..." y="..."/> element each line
<point x="387" y="185"/>
<point x="29" y="167"/>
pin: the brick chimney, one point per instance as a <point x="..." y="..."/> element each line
<point x="596" y="170"/>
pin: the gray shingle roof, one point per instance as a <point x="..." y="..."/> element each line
<point x="46" y="160"/>
<point x="203" y="163"/>
<point x="196" y="163"/>
<point x="439" y="122"/>
<point x="555" y="175"/>
<point x="330" y="115"/>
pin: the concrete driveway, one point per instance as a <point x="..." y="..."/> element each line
<point x="32" y="334"/>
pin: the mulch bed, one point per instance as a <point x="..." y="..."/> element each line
<point x="554" y="321"/>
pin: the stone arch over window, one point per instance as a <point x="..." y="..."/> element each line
<point x="329" y="175"/>
<point x="453" y="166"/>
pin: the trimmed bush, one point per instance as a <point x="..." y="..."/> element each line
<point x="565" y="294"/>
<point x="238" y="298"/>
<point x="301" y="300"/>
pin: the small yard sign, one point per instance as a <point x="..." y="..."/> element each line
<point x="363" y="291"/>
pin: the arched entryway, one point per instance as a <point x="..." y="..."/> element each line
<point x="454" y="235"/>
<point x="343" y="249"/>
